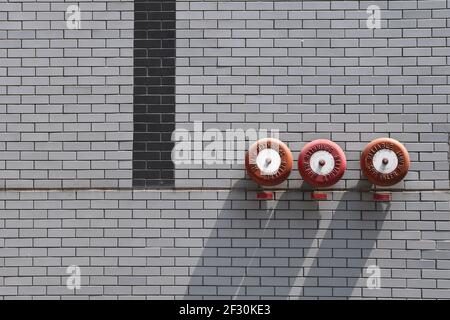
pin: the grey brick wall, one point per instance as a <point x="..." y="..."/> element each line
<point x="153" y="244"/>
<point x="66" y="96"/>
<point x="312" y="69"/>
<point x="308" y="68"/>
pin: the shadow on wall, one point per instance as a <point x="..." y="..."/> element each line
<point x="337" y="268"/>
<point x="288" y="248"/>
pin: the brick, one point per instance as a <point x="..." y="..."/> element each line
<point x="67" y="121"/>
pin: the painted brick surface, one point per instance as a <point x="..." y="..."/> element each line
<point x="154" y="93"/>
<point x="308" y="68"/>
<point x="165" y="244"/>
<point x="312" y="69"/>
<point x="66" y="96"/>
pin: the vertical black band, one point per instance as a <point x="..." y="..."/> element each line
<point x="154" y="92"/>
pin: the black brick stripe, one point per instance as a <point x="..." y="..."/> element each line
<point x="154" y="92"/>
